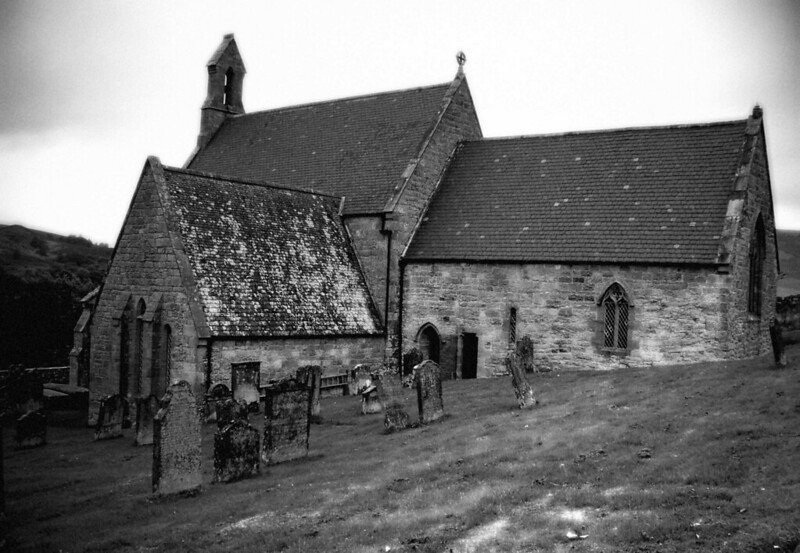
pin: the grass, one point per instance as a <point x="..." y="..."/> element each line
<point x="694" y="458"/>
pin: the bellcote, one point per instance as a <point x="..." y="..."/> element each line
<point x="224" y="98"/>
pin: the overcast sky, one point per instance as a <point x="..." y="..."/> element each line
<point x="89" y="89"/>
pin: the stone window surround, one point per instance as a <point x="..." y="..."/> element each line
<point x="755" y="283"/>
<point x="601" y="320"/>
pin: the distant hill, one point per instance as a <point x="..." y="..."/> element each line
<point x="789" y="252"/>
<point x="42" y="278"/>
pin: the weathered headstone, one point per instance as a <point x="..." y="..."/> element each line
<point x="286" y="421"/>
<point x="778" y="351"/>
<point x="218" y="392"/>
<point x="229" y="410"/>
<point x="312" y="376"/>
<point x="245" y="383"/>
<point x="146" y="409"/>
<point x="525" y="354"/>
<point x="411" y="359"/>
<point x="109" y="421"/>
<point x="370" y="401"/>
<point x="428" y="382"/>
<point x="236" y="452"/>
<point x="31" y="429"/>
<point x="522" y="389"/>
<point x="390" y="392"/>
<point x="176" y="442"/>
<point x="25" y="390"/>
<point x="360" y="379"/>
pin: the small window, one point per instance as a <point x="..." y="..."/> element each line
<point x="512" y="327"/>
<point x="758" y="247"/>
<point x="616" y="311"/>
<point x="228" y="91"/>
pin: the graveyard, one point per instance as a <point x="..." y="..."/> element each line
<point x="687" y="458"/>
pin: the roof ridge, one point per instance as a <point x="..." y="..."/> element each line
<point x="345" y="99"/>
<point x="250" y="182"/>
<point x="608" y="131"/>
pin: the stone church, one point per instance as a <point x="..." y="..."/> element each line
<point x="353" y="230"/>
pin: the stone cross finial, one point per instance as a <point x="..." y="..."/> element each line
<point x="461" y="58"/>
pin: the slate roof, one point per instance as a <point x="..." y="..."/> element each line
<point x="648" y="195"/>
<point x="354" y="147"/>
<point x="268" y="261"/>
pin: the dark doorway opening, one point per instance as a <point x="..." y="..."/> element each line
<point x="429" y="342"/>
<point x="469" y="355"/>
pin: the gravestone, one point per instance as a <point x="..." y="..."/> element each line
<point x="522" y="389"/>
<point x="146" y="409"/>
<point x="25" y="390"/>
<point x="31" y="429"/>
<point x="236" y="452"/>
<point x="230" y="410"/>
<point x="217" y="392"/>
<point x="245" y="383"/>
<point x="778" y="351"/>
<point x="176" y="443"/>
<point x="110" y="419"/>
<point x="370" y="401"/>
<point x="428" y="382"/>
<point x="525" y="354"/>
<point x="390" y="393"/>
<point x="411" y="359"/>
<point x="312" y="376"/>
<point x="360" y="379"/>
<point x="286" y="421"/>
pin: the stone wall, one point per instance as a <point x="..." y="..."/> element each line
<point x="370" y="247"/>
<point x="144" y="264"/>
<point x="458" y="122"/>
<point x="280" y="358"/>
<point x="676" y="315"/>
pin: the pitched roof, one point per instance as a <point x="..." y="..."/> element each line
<point x="354" y="147"/>
<point x="649" y="195"/>
<point x="268" y="261"/>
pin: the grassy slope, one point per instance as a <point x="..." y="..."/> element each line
<point x="789" y="251"/>
<point x="724" y="440"/>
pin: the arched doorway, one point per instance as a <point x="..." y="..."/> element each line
<point x="429" y="342"/>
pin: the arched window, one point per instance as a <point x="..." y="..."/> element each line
<point x="167" y="356"/>
<point x="141" y="308"/>
<point x="227" y="99"/>
<point x="512" y="328"/>
<point x="429" y="341"/>
<point x="616" y="310"/>
<point x="758" y="246"/>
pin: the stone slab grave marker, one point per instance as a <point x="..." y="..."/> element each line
<point x="31" y="429"/>
<point x="236" y="452"/>
<point x="218" y="392"/>
<point x="176" y="443"/>
<point x="245" y="383"/>
<point x="390" y="392"/>
<point x="110" y="418"/>
<point x="522" y="389"/>
<point x="146" y="409"/>
<point x="360" y="379"/>
<point x="428" y="383"/>
<point x="230" y="410"/>
<point x="370" y="400"/>
<point x="287" y="421"/>
<point x="312" y="376"/>
<point x="525" y="354"/>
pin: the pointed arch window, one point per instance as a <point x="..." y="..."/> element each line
<point x="616" y="318"/>
<point x="758" y="247"/>
<point x="228" y="90"/>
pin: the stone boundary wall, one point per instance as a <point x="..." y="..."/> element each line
<point x="280" y="358"/>
<point x="57" y="375"/>
<point x="676" y="314"/>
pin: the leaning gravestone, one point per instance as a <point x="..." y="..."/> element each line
<point x="146" y="409"/>
<point x="286" y="421"/>
<point x="428" y="382"/>
<point x="217" y="392"/>
<point x="230" y="410"/>
<point x="370" y="401"/>
<point x="525" y="354"/>
<point x="176" y="443"/>
<point x="236" y="452"/>
<point x="390" y="392"/>
<point x="109" y="421"/>
<point x="522" y="389"/>
<point x="31" y="429"/>
<point x="312" y="376"/>
<point x="360" y="379"/>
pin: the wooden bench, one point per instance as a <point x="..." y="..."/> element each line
<point x="331" y="384"/>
